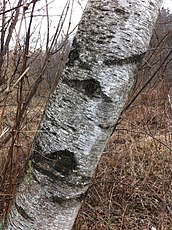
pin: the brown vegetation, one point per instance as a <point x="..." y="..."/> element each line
<point x="28" y="74"/>
<point x="132" y="187"/>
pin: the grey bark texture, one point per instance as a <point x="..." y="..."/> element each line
<point x="82" y="112"/>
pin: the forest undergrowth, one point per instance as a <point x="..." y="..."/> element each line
<point x="132" y="187"/>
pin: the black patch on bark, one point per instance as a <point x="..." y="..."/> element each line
<point x="63" y="200"/>
<point x="74" y="53"/>
<point x="121" y="61"/>
<point x="56" y="163"/>
<point x="64" y="161"/>
<point x="119" y="11"/>
<point x="23" y="213"/>
<point x="89" y="87"/>
<point x="84" y="65"/>
<point x="104" y="126"/>
<point x="46" y="172"/>
<point x="110" y="36"/>
<point x="100" y="41"/>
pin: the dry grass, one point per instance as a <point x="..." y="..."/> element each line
<point x="11" y="172"/>
<point x="132" y="187"/>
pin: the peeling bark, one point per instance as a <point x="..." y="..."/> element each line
<point x="107" y="50"/>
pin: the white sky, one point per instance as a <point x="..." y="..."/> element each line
<point x="55" y="9"/>
<point x="57" y="6"/>
<point x="39" y="25"/>
<point x="168" y="4"/>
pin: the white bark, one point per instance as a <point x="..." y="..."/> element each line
<point x="110" y="43"/>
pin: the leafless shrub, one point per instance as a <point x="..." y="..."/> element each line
<point x="31" y="62"/>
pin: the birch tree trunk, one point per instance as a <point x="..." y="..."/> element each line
<point x="82" y="112"/>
